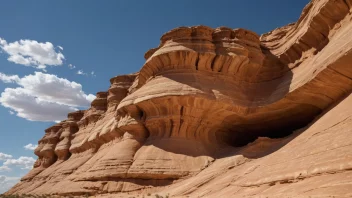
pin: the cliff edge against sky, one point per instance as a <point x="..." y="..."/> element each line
<point x="216" y="113"/>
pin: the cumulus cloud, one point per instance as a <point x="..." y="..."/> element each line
<point x="4" y="156"/>
<point x="60" y="47"/>
<point x="10" y="163"/>
<point x="31" y="147"/>
<point x="32" y="53"/>
<point x="4" y="169"/>
<point x="9" y="78"/>
<point x="31" y="108"/>
<point x="22" y="162"/>
<point x="11" y="112"/>
<point x="2" y="42"/>
<point x="51" y="88"/>
<point x="71" y="66"/>
<point x="45" y="97"/>
<point x="7" y="182"/>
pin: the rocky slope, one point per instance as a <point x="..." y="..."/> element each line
<point x="216" y="112"/>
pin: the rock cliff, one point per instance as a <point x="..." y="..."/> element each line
<point x="216" y="113"/>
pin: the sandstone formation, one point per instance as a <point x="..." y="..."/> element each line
<point x="216" y="113"/>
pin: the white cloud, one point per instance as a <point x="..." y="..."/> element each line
<point x="22" y="162"/>
<point x="4" y="156"/>
<point x="81" y="72"/>
<point x="9" y="78"/>
<point x="31" y="147"/>
<point x="71" y="66"/>
<point x="11" y="112"/>
<point x="32" y="53"/>
<point x="7" y="182"/>
<point x="45" y="97"/>
<point x="31" y="108"/>
<point x="4" y="169"/>
<point x="54" y="89"/>
<point x="60" y="47"/>
<point x="2" y="41"/>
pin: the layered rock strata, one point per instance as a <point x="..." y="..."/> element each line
<point x="209" y="114"/>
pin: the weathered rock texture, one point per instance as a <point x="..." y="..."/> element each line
<point x="216" y="113"/>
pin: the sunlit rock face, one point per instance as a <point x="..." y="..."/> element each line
<point x="69" y="128"/>
<point x="194" y="71"/>
<point x="46" y="146"/>
<point x="210" y="114"/>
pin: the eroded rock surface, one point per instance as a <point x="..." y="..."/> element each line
<point x="216" y="112"/>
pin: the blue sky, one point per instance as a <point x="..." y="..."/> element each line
<point x="105" y="37"/>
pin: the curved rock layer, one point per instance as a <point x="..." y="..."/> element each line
<point x="210" y="114"/>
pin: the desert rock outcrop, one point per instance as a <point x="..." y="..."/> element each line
<point x="216" y="112"/>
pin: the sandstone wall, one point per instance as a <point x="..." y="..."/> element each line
<point x="216" y="112"/>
